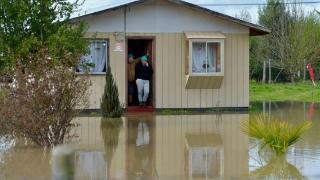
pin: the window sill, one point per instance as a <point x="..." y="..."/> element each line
<point x="207" y="74"/>
<point x="92" y="73"/>
<point x="203" y="81"/>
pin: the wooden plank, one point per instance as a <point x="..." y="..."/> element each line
<point x="225" y="93"/>
<point x="235" y="59"/>
<point x="159" y="71"/>
<point x="178" y="71"/>
<point x="229" y="72"/>
<point x="240" y="71"/>
<point x="184" y="92"/>
<point x="172" y="63"/>
<point x="246" y="71"/>
<point x="165" y="57"/>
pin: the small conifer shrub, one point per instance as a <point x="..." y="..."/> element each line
<point x="110" y="104"/>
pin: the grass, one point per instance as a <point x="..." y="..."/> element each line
<point x="273" y="133"/>
<point x="284" y="92"/>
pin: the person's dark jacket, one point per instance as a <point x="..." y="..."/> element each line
<point x="143" y="72"/>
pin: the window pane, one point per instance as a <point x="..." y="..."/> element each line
<point x="96" y="59"/>
<point x="199" y="57"/>
<point x="213" y="53"/>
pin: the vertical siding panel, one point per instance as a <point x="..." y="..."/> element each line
<point x="246" y="72"/>
<point x="194" y="98"/>
<point x="178" y="71"/>
<point x="240" y="69"/>
<point x="214" y="98"/>
<point x="228" y="72"/>
<point x="172" y="63"/>
<point x="165" y="56"/>
<point x="203" y="97"/>
<point x="159" y="71"/>
<point x="184" y="93"/>
<point x="235" y="61"/>
<point x="121" y="64"/>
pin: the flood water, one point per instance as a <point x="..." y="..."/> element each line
<point x="146" y="146"/>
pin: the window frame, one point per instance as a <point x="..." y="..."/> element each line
<point x="107" y="58"/>
<point x="213" y="40"/>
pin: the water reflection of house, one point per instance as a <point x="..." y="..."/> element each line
<point x="183" y="146"/>
<point x="204" y="156"/>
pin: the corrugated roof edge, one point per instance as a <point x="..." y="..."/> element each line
<point x="255" y="29"/>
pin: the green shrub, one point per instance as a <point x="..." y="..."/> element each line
<point x="110" y="105"/>
<point x="274" y="133"/>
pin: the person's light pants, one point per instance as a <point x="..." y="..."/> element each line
<point x="143" y="89"/>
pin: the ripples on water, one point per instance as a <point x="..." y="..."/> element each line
<point x="173" y="147"/>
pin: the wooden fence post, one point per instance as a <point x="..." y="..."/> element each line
<point x="270" y="80"/>
<point x="264" y="72"/>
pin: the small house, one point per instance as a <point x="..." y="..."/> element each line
<point x="200" y="57"/>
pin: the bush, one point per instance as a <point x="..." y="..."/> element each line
<point x="110" y="130"/>
<point x="110" y="105"/>
<point x="43" y="99"/>
<point x="274" y="133"/>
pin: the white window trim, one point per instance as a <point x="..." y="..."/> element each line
<point x="107" y="60"/>
<point x="221" y="41"/>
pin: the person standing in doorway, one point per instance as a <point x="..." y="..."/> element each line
<point x="143" y="75"/>
<point x="131" y="77"/>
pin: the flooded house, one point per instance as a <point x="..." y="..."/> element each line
<point x="200" y="57"/>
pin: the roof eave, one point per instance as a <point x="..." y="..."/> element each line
<point x="255" y="30"/>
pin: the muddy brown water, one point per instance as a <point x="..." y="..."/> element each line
<point x="202" y="146"/>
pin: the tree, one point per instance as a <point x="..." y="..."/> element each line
<point x="294" y="37"/>
<point x="110" y="104"/>
<point x="39" y="48"/>
<point x="27" y="26"/>
<point x="41" y="103"/>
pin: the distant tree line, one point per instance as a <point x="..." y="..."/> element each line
<point x="294" y="40"/>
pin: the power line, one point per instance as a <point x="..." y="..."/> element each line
<point x="259" y="4"/>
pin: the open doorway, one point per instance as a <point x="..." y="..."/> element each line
<point x="137" y="48"/>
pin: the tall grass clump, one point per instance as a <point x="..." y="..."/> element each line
<point x="273" y="133"/>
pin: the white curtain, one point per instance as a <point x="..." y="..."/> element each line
<point x="199" y="57"/>
<point x="96" y="57"/>
<point x="212" y="57"/>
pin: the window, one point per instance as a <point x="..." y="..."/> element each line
<point x="95" y="61"/>
<point x="206" y="56"/>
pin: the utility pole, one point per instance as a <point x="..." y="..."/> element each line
<point x="270" y="71"/>
<point x="264" y="72"/>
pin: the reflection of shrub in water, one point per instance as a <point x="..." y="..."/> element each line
<point x="277" y="168"/>
<point x="274" y="133"/>
<point x="110" y="129"/>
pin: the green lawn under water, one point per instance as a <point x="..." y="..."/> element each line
<point x="305" y="92"/>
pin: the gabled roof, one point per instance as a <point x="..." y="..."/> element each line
<point x="255" y="29"/>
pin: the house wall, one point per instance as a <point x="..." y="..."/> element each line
<point x="167" y="22"/>
<point x="170" y="74"/>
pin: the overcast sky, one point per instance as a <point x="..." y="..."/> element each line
<point x="93" y="5"/>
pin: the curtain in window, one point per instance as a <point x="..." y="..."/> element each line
<point x="96" y="57"/>
<point x="212" y="57"/>
<point x="199" y="57"/>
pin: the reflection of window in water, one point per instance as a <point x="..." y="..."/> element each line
<point x="90" y="165"/>
<point x="204" y="155"/>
